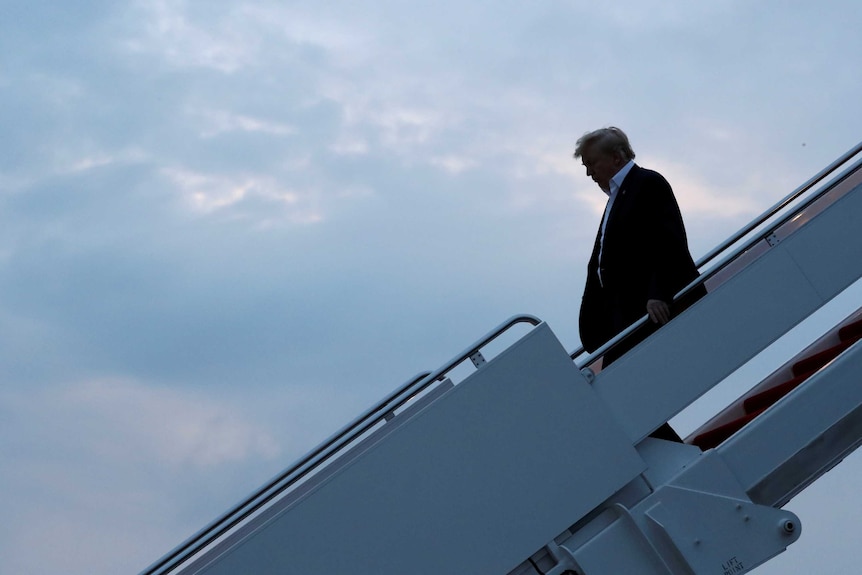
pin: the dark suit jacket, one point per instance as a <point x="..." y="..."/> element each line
<point x="645" y="256"/>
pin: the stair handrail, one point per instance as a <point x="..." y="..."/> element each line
<point x="781" y="204"/>
<point x="323" y="452"/>
<point x="727" y="244"/>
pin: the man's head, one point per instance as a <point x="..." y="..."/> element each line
<point x="604" y="152"/>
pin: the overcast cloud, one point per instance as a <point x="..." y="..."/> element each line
<point x="230" y="227"/>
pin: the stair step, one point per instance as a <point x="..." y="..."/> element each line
<point x="714" y="437"/>
<point x="851" y="331"/>
<point x="802" y="370"/>
<point x="819" y="359"/>
<point x="768" y="397"/>
<point x="812" y="363"/>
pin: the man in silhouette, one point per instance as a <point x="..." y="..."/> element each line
<point x="640" y="259"/>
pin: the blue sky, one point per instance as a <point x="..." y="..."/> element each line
<point x="230" y="227"/>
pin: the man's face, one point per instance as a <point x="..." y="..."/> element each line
<point x="601" y="167"/>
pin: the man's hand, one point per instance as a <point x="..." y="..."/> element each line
<point x="659" y="311"/>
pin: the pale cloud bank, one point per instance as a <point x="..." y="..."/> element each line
<point x="93" y="458"/>
<point x="117" y="420"/>
<point x="229" y="227"/>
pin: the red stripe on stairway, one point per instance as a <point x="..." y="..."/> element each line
<point x="802" y="370"/>
<point x="819" y="359"/>
<point x="714" y="437"/>
<point x="851" y="331"/>
<point x="766" y="398"/>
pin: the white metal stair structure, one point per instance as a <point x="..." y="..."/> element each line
<point x="537" y="465"/>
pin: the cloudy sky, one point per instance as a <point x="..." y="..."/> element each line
<point x="230" y="227"/>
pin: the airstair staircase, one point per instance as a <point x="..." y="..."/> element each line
<point x="540" y="462"/>
<point x="780" y="383"/>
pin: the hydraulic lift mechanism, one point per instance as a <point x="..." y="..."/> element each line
<point x="539" y="462"/>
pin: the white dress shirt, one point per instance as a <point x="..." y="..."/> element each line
<point x="615" y="184"/>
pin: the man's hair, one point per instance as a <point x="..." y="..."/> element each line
<point x="606" y="140"/>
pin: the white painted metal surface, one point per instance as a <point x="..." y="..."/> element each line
<point x="473" y="483"/>
<point x="818" y="423"/>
